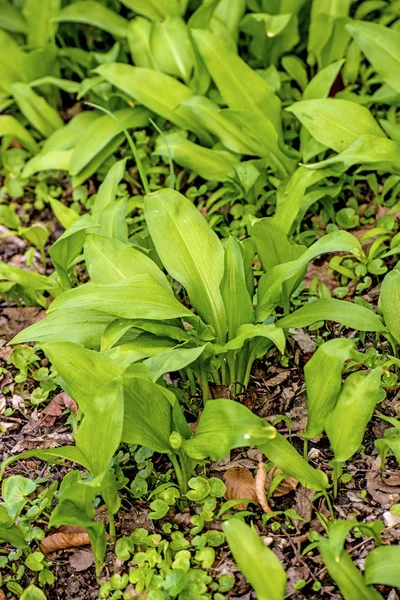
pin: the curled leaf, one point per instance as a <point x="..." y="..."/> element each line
<point x="240" y="483"/>
<point x="261" y="479"/>
<point x="66" y="537"/>
<point x="285" y="486"/>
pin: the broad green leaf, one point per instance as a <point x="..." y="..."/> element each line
<point x="381" y="566"/>
<point x="14" y="535"/>
<point x="273" y="245"/>
<point x="139" y="41"/>
<point x="68" y="246"/>
<point x="148" y="415"/>
<point x="14" y="491"/>
<point x="272" y="35"/>
<point x="225" y="425"/>
<point x="237" y="301"/>
<point x="215" y="165"/>
<point x="36" y="109"/>
<point x="173" y="359"/>
<point x="103" y="421"/>
<point x="33" y="593"/>
<point x="81" y="326"/>
<point x="144" y="86"/>
<point x="143" y="347"/>
<point x="28" y="279"/>
<point x="348" y="314"/>
<point x="55" y="160"/>
<point x="65" y="215"/>
<point x="70" y="453"/>
<point x="345" y="425"/>
<point x="190" y="251"/>
<point x="72" y="87"/>
<point x="84" y="372"/>
<point x="334" y="122"/>
<point x="389" y="302"/>
<point x="96" y="162"/>
<point x="172" y="48"/>
<point x="67" y="137"/>
<point x="239" y="85"/>
<point x="320" y="85"/>
<point x="283" y="455"/>
<point x="39" y="15"/>
<point x="266" y="574"/>
<point x="230" y="12"/>
<point x="10" y="126"/>
<point x="99" y="133"/>
<point x="95" y="14"/>
<point x="11" y="19"/>
<point x="249" y="332"/>
<point x="119" y="327"/>
<point x="323" y="377"/>
<point x="154" y="9"/>
<point x="381" y="46"/>
<point x="271" y="284"/>
<point x="109" y="261"/>
<point x="138" y="297"/>
<point x="368" y="150"/>
<point x="345" y="574"/>
<point x="327" y="36"/>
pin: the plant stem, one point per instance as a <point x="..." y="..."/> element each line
<point x="204" y="384"/>
<point x="305" y="449"/>
<point x="112" y="531"/>
<point x="180" y="473"/>
<point x="335" y="477"/>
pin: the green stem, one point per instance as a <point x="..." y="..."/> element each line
<point x="204" y="384"/>
<point x="112" y="531"/>
<point x="335" y="477"/>
<point x="305" y="449"/>
<point x="180" y="471"/>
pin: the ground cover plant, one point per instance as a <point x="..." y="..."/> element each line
<point x="199" y="327"/>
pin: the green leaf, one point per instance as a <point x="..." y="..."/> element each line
<point x="389" y="301"/>
<point x="11" y="19"/>
<point x="67" y="137"/>
<point x="14" y="491"/>
<point x="172" y="360"/>
<point x="65" y="215"/>
<point x="348" y="314"/>
<point x="239" y="85"/>
<point x="237" y="300"/>
<point x="368" y="150"/>
<point x="144" y="86"/>
<point x="225" y="425"/>
<point x="345" y="574"/>
<point x="154" y="9"/>
<point x="33" y="593"/>
<point x="215" y="165"/>
<point x="320" y="85"/>
<point x="381" y="46"/>
<point x="345" y="425"/>
<point x="139" y="297"/>
<point x="70" y="453"/>
<point x="10" y="126"/>
<point x="273" y="245"/>
<point x="102" y="131"/>
<point x="148" y="414"/>
<point x="14" y="535"/>
<point x="139" y="41"/>
<point x="36" y="109"/>
<point x="58" y="160"/>
<point x="144" y="346"/>
<point x="190" y="251"/>
<point x="249" y="331"/>
<point x="172" y="48"/>
<point x="95" y="14"/>
<point x="271" y="284"/>
<point x="109" y="261"/>
<point x="81" y="326"/>
<point x="84" y="372"/>
<point x="324" y="119"/>
<point x="266" y="574"/>
<point x="104" y="420"/>
<point x="39" y="15"/>
<point x="323" y="377"/>
<point x="381" y="566"/>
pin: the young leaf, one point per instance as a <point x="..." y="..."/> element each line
<point x="381" y="566"/>
<point x="173" y="359"/>
<point x="345" y="425"/>
<point x="10" y="126"/>
<point x="389" y="302"/>
<point x="172" y="48"/>
<point x="36" y="109"/>
<point x="155" y="9"/>
<point x="139" y="40"/>
<point x="381" y="45"/>
<point x="95" y="14"/>
<point x="266" y="574"/>
<point x="334" y="122"/>
<point x="39" y="18"/>
<point x="190" y="251"/>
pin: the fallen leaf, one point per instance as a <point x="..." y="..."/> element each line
<point x="15" y="319"/>
<point x="240" y="483"/>
<point x="43" y="442"/>
<point x="81" y="560"/>
<point x="287" y="485"/>
<point x="56" y="408"/>
<point x="261" y="479"/>
<point x="305" y="342"/>
<point x="303" y="505"/>
<point x="383" y="494"/>
<point x="69" y="537"/>
<point x="2" y="595"/>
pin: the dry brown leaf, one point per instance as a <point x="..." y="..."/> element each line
<point x="56" y="408"/>
<point x="288" y="484"/>
<point x="69" y="537"/>
<point x="2" y="595"/>
<point x="261" y="478"/>
<point x="81" y="560"/>
<point x="240" y="483"/>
